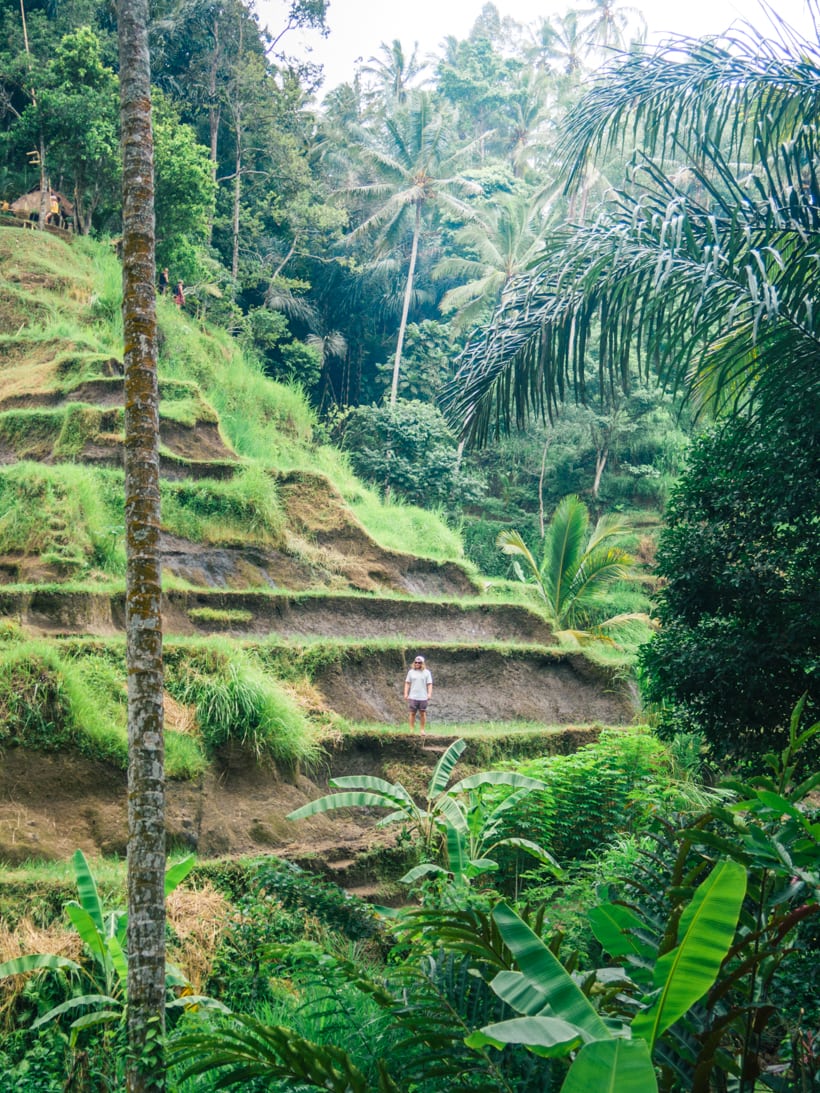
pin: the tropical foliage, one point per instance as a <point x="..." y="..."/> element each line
<point x="700" y="268"/>
<point x="578" y="565"/>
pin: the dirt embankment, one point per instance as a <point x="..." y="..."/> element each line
<point x="257" y="614"/>
<point x="479" y="685"/>
<point x="52" y="804"/>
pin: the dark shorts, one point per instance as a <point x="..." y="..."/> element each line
<point x="416" y="704"/>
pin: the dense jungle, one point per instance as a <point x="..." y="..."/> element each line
<point x="498" y="363"/>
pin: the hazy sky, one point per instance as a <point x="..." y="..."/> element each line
<point x="357" y="27"/>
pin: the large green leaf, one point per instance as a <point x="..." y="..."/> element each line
<point x="520" y="993"/>
<point x="87" y="890"/>
<point x="344" y="800"/>
<point x="612" y="1066"/>
<point x="79" y="1002"/>
<point x="456" y="854"/>
<point x="370" y="784"/>
<point x="614" y="926"/>
<point x="444" y="768"/>
<point x="33" y="962"/>
<point x="548" y="975"/>
<point x="176" y="874"/>
<point x="496" y="778"/>
<point x="534" y="851"/>
<point x="90" y="933"/>
<point x="549" y="1037"/>
<point x="706" y="930"/>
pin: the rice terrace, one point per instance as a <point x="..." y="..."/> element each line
<point x="468" y="413"/>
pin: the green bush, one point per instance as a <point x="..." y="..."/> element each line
<point x="603" y="790"/>
<point x="739" y="641"/>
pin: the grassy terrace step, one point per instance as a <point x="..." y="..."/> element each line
<point x="53" y="610"/>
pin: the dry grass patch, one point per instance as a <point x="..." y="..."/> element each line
<point x="198" y="918"/>
<point x="24" y="939"/>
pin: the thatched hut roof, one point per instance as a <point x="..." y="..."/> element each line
<point x="29" y="203"/>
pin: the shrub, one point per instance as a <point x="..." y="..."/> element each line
<point x="739" y="642"/>
<point x="603" y="790"/>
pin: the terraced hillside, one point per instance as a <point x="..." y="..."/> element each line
<point x="287" y="620"/>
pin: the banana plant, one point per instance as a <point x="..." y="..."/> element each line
<point x="557" y="1018"/>
<point x="103" y="936"/>
<point x="472" y="832"/>
<point x="444" y="819"/>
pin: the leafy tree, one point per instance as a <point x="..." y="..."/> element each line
<point x="407" y="449"/>
<point x="577" y="565"/>
<point x="393" y="74"/>
<point x="739" y="641"/>
<point x="493" y="248"/>
<point x="73" y="119"/>
<point x="415" y="171"/>
<point x="185" y="191"/>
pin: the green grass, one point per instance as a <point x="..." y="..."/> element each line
<point x="243" y="508"/>
<point x="203" y="373"/>
<point x="467" y="729"/>
<point x="63" y="510"/>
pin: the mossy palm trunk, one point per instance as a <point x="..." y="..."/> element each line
<point x="146" y="800"/>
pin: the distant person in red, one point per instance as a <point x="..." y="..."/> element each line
<point x="418" y="687"/>
<point x="179" y="294"/>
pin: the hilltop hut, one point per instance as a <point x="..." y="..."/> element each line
<point x="27" y="207"/>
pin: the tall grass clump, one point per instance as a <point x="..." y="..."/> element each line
<point x="65" y="513"/>
<point x="236" y="701"/>
<point x="46" y="704"/>
<point x="245" y="506"/>
<point x="106" y="299"/>
<point x="408" y="529"/>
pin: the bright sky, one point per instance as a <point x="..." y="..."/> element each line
<point x="357" y="27"/>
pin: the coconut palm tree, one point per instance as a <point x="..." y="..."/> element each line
<point x="393" y="72"/>
<point x="702" y="269"/>
<point x="414" y="165"/>
<point x="606" y="24"/>
<point x="143" y="621"/>
<point x="503" y="240"/>
<point x="577" y="566"/>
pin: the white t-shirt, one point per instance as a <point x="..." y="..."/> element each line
<point x="418" y="680"/>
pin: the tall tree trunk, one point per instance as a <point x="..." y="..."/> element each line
<point x="214" y="115"/>
<point x="237" y="199"/>
<point x="405" y="311"/>
<point x="145" y="1072"/>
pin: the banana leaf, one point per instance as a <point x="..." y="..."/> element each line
<point x="369" y="783"/>
<point x="176" y="874"/>
<point x="705" y="933"/>
<point x="612" y="925"/>
<point x="444" y="767"/>
<point x="33" y="962"/>
<point x="549" y="1037"/>
<point x="87" y="890"/>
<point x="612" y="1066"/>
<point x="80" y="1001"/>
<point x="344" y="800"/>
<point x="548" y="976"/>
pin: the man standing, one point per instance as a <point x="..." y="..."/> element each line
<point x="418" y="687"/>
